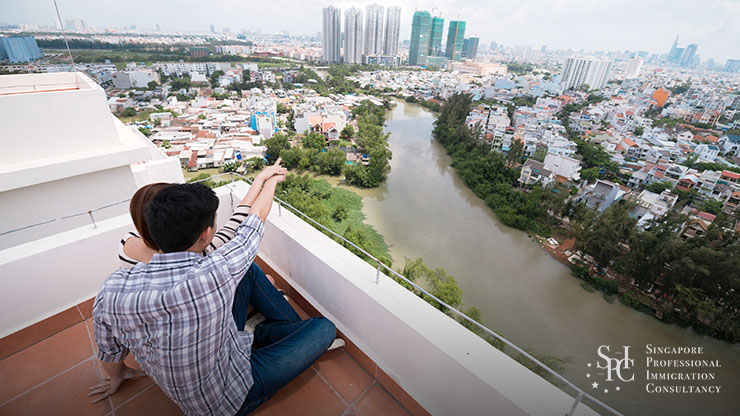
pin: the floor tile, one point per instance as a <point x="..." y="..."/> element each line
<point x="152" y="402"/>
<point x="86" y="308"/>
<point x="307" y="394"/>
<point x="26" y="369"/>
<point x="61" y="396"/>
<point x="378" y="402"/>
<point x="398" y="393"/>
<point x="38" y="332"/>
<point x="361" y="358"/>
<point x="343" y="374"/>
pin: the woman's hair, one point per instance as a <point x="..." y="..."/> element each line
<point x="139" y="201"/>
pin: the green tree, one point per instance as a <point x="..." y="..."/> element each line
<point x="711" y="206"/>
<point x="314" y="141"/>
<point x="145" y="131"/>
<point x="514" y="155"/>
<point x="340" y="213"/>
<point x="129" y="112"/>
<point x="166" y="144"/>
<point x="639" y="130"/>
<point x="255" y="164"/>
<point x="348" y="132"/>
<point x="659" y="187"/>
<point x="152" y="85"/>
<point x="180" y="83"/>
<point x="230" y="166"/>
<point x="602" y="238"/>
<point x="275" y="145"/>
<point x="590" y="174"/>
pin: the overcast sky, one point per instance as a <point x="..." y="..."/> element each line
<point x="560" y="24"/>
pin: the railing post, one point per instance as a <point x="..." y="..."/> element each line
<point x="377" y="274"/>
<point x="92" y="219"/>
<point x="575" y="403"/>
<point x="280" y="209"/>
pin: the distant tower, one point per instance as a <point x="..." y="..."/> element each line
<point x="633" y="68"/>
<point x="392" y="31"/>
<point x="213" y="29"/>
<point x="332" y="34"/>
<point x="470" y="48"/>
<point x="435" y="41"/>
<point x="688" y="55"/>
<point x="374" y="30"/>
<point x="455" y="36"/>
<point x="578" y="71"/>
<point x="421" y="27"/>
<point x="353" y="36"/>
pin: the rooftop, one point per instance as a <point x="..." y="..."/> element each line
<point x="59" y="351"/>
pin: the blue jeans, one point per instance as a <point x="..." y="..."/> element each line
<point x="284" y="345"/>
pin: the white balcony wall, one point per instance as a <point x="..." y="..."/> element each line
<point x="443" y="366"/>
<point x="48" y="114"/>
<point x="48" y="275"/>
<point x="66" y="154"/>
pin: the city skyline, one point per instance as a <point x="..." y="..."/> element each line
<point x="565" y="24"/>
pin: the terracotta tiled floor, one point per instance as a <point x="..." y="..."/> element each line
<point x="47" y="368"/>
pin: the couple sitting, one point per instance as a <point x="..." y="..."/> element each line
<point x="181" y="303"/>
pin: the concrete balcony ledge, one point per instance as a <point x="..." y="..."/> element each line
<point x="446" y="368"/>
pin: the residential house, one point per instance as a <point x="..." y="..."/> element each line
<point x="651" y="205"/>
<point x="601" y="195"/>
<point x="533" y="172"/>
<point x="730" y="144"/>
<point x="732" y="204"/>
<point x="706" y="152"/>
<point x="564" y="166"/>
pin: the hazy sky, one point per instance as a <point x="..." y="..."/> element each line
<point x="589" y="24"/>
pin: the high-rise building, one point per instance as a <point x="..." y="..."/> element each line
<point x="374" y="30"/>
<point x="675" y="54"/>
<point x="455" y="36"/>
<point x="353" y="36"/>
<point x="732" y="65"/>
<point x="19" y="49"/>
<point x="633" y="68"/>
<point x="594" y="72"/>
<point x="435" y="41"/>
<point x="421" y="27"/>
<point x="213" y="29"/>
<point x="76" y="25"/>
<point x="332" y="34"/>
<point x="470" y="48"/>
<point x="392" y="31"/>
<point x="688" y="55"/>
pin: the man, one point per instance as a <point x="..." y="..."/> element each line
<point x="182" y="314"/>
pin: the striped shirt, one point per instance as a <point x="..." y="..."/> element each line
<point x="174" y="315"/>
<point x="224" y="234"/>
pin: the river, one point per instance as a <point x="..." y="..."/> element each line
<point x="425" y="210"/>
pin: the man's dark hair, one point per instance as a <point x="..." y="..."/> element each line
<point x="179" y="213"/>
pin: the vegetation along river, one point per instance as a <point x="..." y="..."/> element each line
<point x="425" y="210"/>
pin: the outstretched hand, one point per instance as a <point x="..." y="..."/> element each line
<point x="110" y="385"/>
<point x="273" y="170"/>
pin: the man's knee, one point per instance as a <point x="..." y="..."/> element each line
<point x="326" y="329"/>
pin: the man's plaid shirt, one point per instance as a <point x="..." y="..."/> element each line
<point x="174" y="315"/>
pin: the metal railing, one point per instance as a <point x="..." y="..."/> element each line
<point x="580" y="393"/>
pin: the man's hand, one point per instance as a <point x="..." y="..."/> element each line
<point x="273" y="170"/>
<point x="110" y="385"/>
